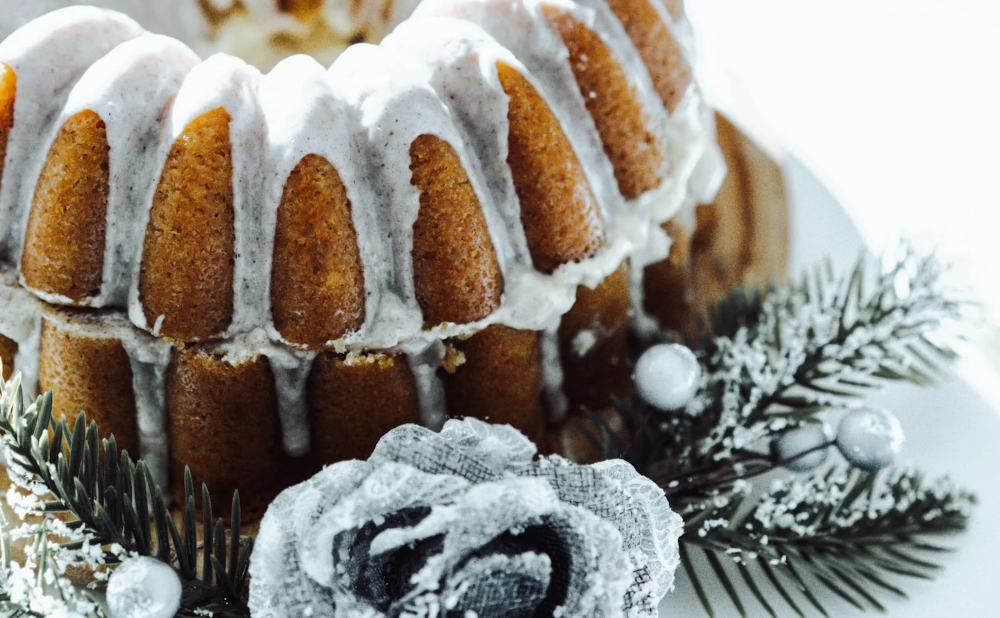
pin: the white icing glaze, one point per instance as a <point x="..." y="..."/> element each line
<point x="150" y="358"/>
<point x="430" y="389"/>
<point x="643" y="323"/>
<point x="397" y="106"/>
<point x="708" y="174"/>
<point x="48" y="55"/>
<point x="553" y="377"/>
<point x="305" y="115"/>
<point x="521" y="28"/>
<point x="290" y="369"/>
<point x="458" y="60"/>
<point x="633" y="230"/>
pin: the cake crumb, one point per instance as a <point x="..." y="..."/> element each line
<point x="453" y="358"/>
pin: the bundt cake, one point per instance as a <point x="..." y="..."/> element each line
<point x="247" y="272"/>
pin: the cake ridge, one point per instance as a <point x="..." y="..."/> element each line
<point x="48" y="55"/>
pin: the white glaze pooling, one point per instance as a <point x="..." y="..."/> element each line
<point x="48" y="55"/>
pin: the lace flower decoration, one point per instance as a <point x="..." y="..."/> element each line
<point x="465" y="523"/>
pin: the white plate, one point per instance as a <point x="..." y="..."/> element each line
<point x="950" y="429"/>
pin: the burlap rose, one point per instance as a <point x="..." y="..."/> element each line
<point x="465" y="523"/>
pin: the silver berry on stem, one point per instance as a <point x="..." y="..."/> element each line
<point x="667" y="376"/>
<point x="870" y="439"/>
<point x="144" y="588"/>
<point x="804" y="448"/>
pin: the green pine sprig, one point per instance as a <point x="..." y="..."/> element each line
<point x="113" y="502"/>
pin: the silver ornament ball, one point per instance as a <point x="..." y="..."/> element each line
<point x="789" y="447"/>
<point x="870" y="439"/>
<point x="144" y="588"/>
<point x="667" y="376"/>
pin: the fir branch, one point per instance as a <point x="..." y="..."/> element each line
<point x="844" y="531"/>
<point x="111" y="509"/>
<point x="772" y="361"/>
<point x="776" y="359"/>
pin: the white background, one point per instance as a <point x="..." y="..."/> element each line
<point x="894" y="104"/>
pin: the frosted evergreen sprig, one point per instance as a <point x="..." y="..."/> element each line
<point x="847" y="532"/>
<point x="775" y="360"/>
<point x="85" y="504"/>
<point x="772" y="361"/>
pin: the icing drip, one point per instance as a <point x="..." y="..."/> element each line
<point x="291" y="370"/>
<point x="459" y="61"/>
<point x="642" y="323"/>
<point x="149" y="359"/>
<point x="430" y="390"/>
<point x="291" y="374"/>
<point x="556" y="402"/>
<point x="708" y="174"/>
<point x="21" y="322"/>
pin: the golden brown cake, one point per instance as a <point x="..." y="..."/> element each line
<point x="256" y="274"/>
<point x="317" y="281"/>
<point x="223" y="421"/>
<point x="186" y="273"/>
<point x="73" y="344"/>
